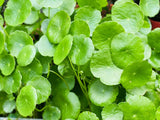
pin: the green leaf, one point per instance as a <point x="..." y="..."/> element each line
<point x="10" y="29"/>
<point x="146" y="28"/>
<point x="1" y="83"/>
<point x="45" y="48"/>
<point x="58" y="27"/>
<point x="1" y="21"/>
<point x="158" y="113"/>
<point x="101" y="94"/>
<point x="63" y="49"/>
<point x="12" y="83"/>
<point x="32" y="18"/>
<point x="102" y="67"/>
<point x="2" y="41"/>
<point x="49" y="3"/>
<point x="79" y="27"/>
<point x="136" y="75"/>
<point x="7" y="64"/>
<point x="51" y="113"/>
<point x="104" y="33"/>
<point x="17" y="11"/>
<point x="44" y="25"/>
<point x="155" y="60"/>
<point x="154" y="39"/>
<point x="87" y="115"/>
<point x="26" y="55"/>
<point x="149" y="7"/>
<point x="69" y="105"/>
<point x="1" y="2"/>
<point x="112" y="112"/>
<point x="82" y="50"/>
<point x="3" y="98"/>
<point x="26" y="101"/>
<point x="42" y="86"/>
<point x="35" y="68"/>
<point x="126" y="48"/>
<point x="129" y="15"/>
<point x="9" y="106"/>
<point x="135" y="108"/>
<point x="91" y="16"/>
<point x="17" y="40"/>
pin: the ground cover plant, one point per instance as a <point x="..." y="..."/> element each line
<point x="58" y="61"/>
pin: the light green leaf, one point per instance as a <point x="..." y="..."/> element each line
<point x="91" y="16"/>
<point x="101" y="94"/>
<point x="63" y="49"/>
<point x="26" y="55"/>
<point x="149" y="7"/>
<point x="1" y="83"/>
<point x="51" y="113"/>
<point x="126" y="48"/>
<point x="7" y="64"/>
<point x="112" y="112"/>
<point x="1" y="2"/>
<point x="158" y="113"/>
<point x="79" y="27"/>
<point x="155" y="60"/>
<point x="44" y="25"/>
<point x="136" y="75"/>
<point x="102" y="67"/>
<point x="129" y="15"/>
<point x="17" y="11"/>
<point x="9" y="106"/>
<point x="104" y="33"/>
<point x="1" y="21"/>
<point x="12" y="83"/>
<point x="26" y="101"/>
<point x="2" y="41"/>
<point x="58" y="27"/>
<point x="82" y="50"/>
<point x="87" y="115"/>
<point x="42" y="86"/>
<point x="32" y="18"/>
<point x="49" y="3"/>
<point x="146" y="28"/>
<point x="45" y="48"/>
<point x="17" y="40"/>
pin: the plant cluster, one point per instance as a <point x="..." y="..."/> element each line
<point x="61" y="62"/>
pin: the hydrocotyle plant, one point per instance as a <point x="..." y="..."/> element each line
<point x="61" y="62"/>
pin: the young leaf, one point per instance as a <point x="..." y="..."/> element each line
<point x="129" y="15"/>
<point x="58" y="27"/>
<point x="42" y="86"/>
<point x="87" y="115"/>
<point x="104" y="33"/>
<point x="112" y="112"/>
<point x="149" y="7"/>
<point x="26" y="101"/>
<point x="136" y="75"/>
<point x="101" y="94"/>
<point x="79" y="27"/>
<point x="17" y="40"/>
<point x="51" y="113"/>
<point x="82" y="50"/>
<point x="63" y="49"/>
<point x="17" y="11"/>
<point x="126" y="48"/>
<point x="91" y="16"/>
<point x="26" y="55"/>
<point x="7" y="64"/>
<point x="12" y="83"/>
<point x="2" y="41"/>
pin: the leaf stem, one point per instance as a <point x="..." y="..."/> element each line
<point x="40" y="110"/>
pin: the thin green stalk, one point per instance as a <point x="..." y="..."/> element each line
<point x="40" y="110"/>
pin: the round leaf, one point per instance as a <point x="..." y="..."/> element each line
<point x="33" y="17"/>
<point x="104" y="33"/>
<point x="17" y="40"/>
<point x="49" y="3"/>
<point x="2" y="42"/>
<point x="155" y="60"/>
<point x="17" y="11"/>
<point x="9" y="106"/>
<point x="26" y="100"/>
<point x="149" y="7"/>
<point x="102" y="67"/>
<point x="112" y="112"/>
<point x="126" y="48"/>
<point x="3" y="98"/>
<point x="26" y="55"/>
<point x="129" y="15"/>
<point x="42" y="86"/>
<point x="63" y="49"/>
<point x="101" y="94"/>
<point x="136" y="75"/>
<point x="7" y="64"/>
<point x="1" y="83"/>
<point x="44" y="25"/>
<point x="51" y="113"/>
<point x="87" y="115"/>
<point x="154" y="39"/>
<point x="158" y="113"/>
<point x="82" y="50"/>
<point x="79" y="27"/>
<point x="58" y="27"/>
<point x="12" y="83"/>
<point x="91" y="16"/>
